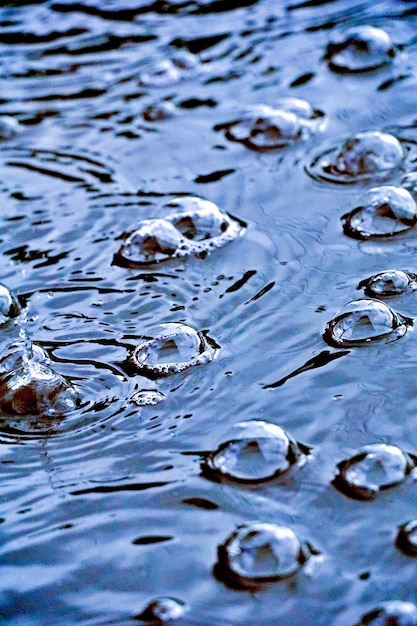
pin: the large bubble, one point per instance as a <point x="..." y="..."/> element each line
<point x="9" y="305"/>
<point x="369" y="155"/>
<point x="391" y="613"/>
<point x="258" y="553"/>
<point x="359" y="49"/>
<point x="375" y="467"/>
<point x="193" y="227"/>
<point x="406" y="539"/>
<point x="361" y="322"/>
<point x="163" y="610"/>
<point x="254" y="451"/>
<point x="389" y="283"/>
<point x="384" y="212"/>
<point x="172" y="347"/>
<point x="264" y="128"/>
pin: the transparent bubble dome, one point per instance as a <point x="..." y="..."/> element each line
<point x="359" y="49"/>
<point x="406" y="539"/>
<point x="9" y="305"/>
<point x="374" y="468"/>
<point x="389" y="283"/>
<point x="366" y="156"/>
<point x="254" y="451"/>
<point x="360" y="322"/>
<point x="391" y="613"/>
<point x="259" y="553"/>
<point x="384" y="212"/>
<point x="172" y="347"/>
<point x="163" y="610"/>
<point x="263" y="128"/>
<point x="9" y="127"/>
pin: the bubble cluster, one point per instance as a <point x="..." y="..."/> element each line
<point x="374" y="468"/>
<point x="170" y="348"/>
<point x="406" y="539"/>
<point x="148" y="397"/>
<point x="361" y="322"/>
<point x="169" y="71"/>
<point x="366" y="156"/>
<point x="384" y="212"/>
<point x="9" y="305"/>
<point x="391" y="613"/>
<point x="163" y="610"/>
<point x="258" y="553"/>
<point x="193" y="227"/>
<point x="359" y="49"/>
<point x="263" y="128"/>
<point x="389" y="283"/>
<point x="254" y="451"/>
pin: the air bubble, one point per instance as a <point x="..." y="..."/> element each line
<point x="9" y="127"/>
<point x="258" y="553"/>
<point x="169" y="71"/>
<point x="359" y="49"/>
<point x="407" y="538"/>
<point x="391" y="613"/>
<point x="263" y="128"/>
<point x="155" y="240"/>
<point x="389" y="283"/>
<point x="365" y="156"/>
<point x="384" y="212"/>
<point x="148" y="397"/>
<point x="170" y="348"/>
<point x="360" y="322"/>
<point x="9" y="305"/>
<point x="163" y="610"/>
<point x="254" y="451"/>
<point x="374" y="468"/>
<point x="159" y="112"/>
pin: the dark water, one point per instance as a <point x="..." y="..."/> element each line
<point x="105" y="509"/>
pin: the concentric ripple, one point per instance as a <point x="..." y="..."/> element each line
<point x="361" y="322"/>
<point x="194" y="227"/>
<point x="264" y="128"/>
<point x="359" y="49"/>
<point x="374" y="468"/>
<point x="406" y="539"/>
<point x="170" y="348"/>
<point x="258" y="553"/>
<point x="254" y="451"/>
<point x="389" y="283"/>
<point x="385" y="211"/>
<point x="391" y="613"/>
<point x="369" y="155"/>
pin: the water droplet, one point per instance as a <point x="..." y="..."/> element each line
<point x="148" y="397"/>
<point x="163" y="610"/>
<point x="384" y="212"/>
<point x="259" y="553"/>
<point x="391" y="613"/>
<point x="365" y="156"/>
<point x="169" y="71"/>
<point x="375" y="467"/>
<point x="171" y="347"/>
<point x="362" y="321"/>
<point x="359" y="49"/>
<point x="407" y="538"/>
<point x="9" y="127"/>
<point x="389" y="283"/>
<point x="264" y="128"/>
<point x="9" y="305"/>
<point x="254" y="451"/>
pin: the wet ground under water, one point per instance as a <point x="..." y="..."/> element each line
<point x="124" y="106"/>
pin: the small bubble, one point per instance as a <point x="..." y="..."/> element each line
<point x="155" y="240"/>
<point x="391" y="613"/>
<point x="389" y="283"/>
<point x="9" y="127"/>
<point x="169" y="71"/>
<point x="384" y="212"/>
<point x="258" y="553"/>
<point x="362" y="321"/>
<point x="375" y="467"/>
<point x="359" y="49"/>
<point x="163" y="610"/>
<point x="148" y="397"/>
<point x="9" y="305"/>
<point x="406" y="539"/>
<point x="171" y="347"/>
<point x="254" y="451"/>
<point x="159" y="112"/>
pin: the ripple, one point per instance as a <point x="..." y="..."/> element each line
<point x="359" y="49"/>
<point x="254" y="451"/>
<point x="406" y="539"/>
<point x="361" y="322"/>
<point x="389" y="283"/>
<point x="391" y="613"/>
<point x="374" y="468"/>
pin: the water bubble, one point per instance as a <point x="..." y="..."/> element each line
<point x="359" y="49"/>
<point x="263" y="128"/>
<point x="365" y="156"/>
<point x="374" y="468"/>
<point x="171" y="347"/>
<point x="254" y="451"/>
<point x="169" y="71"/>
<point x="384" y="212"/>
<point x="9" y="127"/>
<point x="9" y="305"/>
<point x="360" y="322"/>
<point x="155" y="240"/>
<point x="389" y="283"/>
<point x="163" y="610"/>
<point x="391" y="613"/>
<point x="259" y="553"/>
<point x="406" y="539"/>
<point x="159" y="112"/>
<point x="148" y="397"/>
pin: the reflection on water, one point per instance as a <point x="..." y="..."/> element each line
<point x="116" y="120"/>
